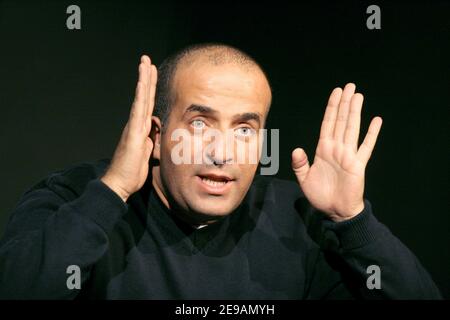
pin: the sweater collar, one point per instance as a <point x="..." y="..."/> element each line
<point x="176" y="231"/>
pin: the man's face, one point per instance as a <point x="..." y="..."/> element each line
<point x="228" y="99"/>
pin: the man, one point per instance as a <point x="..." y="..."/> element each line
<point x="146" y="226"/>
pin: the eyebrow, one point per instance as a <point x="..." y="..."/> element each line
<point x="247" y="116"/>
<point x="241" y="117"/>
<point x="200" y="109"/>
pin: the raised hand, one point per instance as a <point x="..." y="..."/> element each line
<point x="130" y="164"/>
<point x="334" y="183"/>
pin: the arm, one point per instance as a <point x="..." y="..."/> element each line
<point x="341" y="270"/>
<point x="47" y="233"/>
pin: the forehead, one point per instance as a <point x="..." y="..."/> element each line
<point x="226" y="87"/>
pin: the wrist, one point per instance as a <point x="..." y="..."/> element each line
<point x="358" y="231"/>
<point x="110" y="183"/>
<point x="349" y="213"/>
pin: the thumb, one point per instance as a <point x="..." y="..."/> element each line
<point x="300" y="164"/>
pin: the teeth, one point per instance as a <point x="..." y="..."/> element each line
<point x="213" y="183"/>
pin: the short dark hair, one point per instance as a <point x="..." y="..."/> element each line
<point x="217" y="53"/>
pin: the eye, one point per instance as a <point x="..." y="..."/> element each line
<point x="245" y="132"/>
<point x="198" y="124"/>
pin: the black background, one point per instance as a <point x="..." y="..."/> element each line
<point x="65" y="94"/>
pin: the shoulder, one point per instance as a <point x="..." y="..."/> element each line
<point x="71" y="181"/>
<point x="280" y="210"/>
<point x="286" y="209"/>
<point x="279" y="201"/>
<point x="276" y="189"/>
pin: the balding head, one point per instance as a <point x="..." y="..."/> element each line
<point x="216" y="54"/>
<point x="195" y="56"/>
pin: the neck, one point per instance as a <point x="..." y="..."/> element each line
<point x="187" y="218"/>
<point x="156" y="183"/>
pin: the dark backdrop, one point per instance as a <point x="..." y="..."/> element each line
<point x="65" y="95"/>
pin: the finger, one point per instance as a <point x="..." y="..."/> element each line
<point x="354" y="121"/>
<point x="151" y="98"/>
<point x="137" y="114"/>
<point x="300" y="164"/>
<point x="152" y="90"/>
<point x="145" y="60"/>
<point x="326" y="131"/>
<point x="366" y="148"/>
<point x="344" y="105"/>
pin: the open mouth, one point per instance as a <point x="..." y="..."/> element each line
<point x="215" y="184"/>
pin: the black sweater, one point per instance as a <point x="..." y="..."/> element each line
<point x="273" y="246"/>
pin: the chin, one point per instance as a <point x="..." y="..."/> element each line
<point x="213" y="208"/>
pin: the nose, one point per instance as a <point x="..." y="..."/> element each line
<point x="218" y="162"/>
<point x="219" y="153"/>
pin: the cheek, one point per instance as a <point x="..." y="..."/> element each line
<point x="247" y="173"/>
<point x="174" y="174"/>
<point x="248" y="152"/>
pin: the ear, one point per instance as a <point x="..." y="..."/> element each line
<point x="155" y="135"/>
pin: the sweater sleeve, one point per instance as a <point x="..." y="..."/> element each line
<point x="368" y="262"/>
<point x="46" y="234"/>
